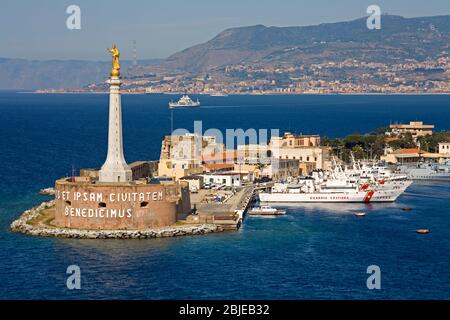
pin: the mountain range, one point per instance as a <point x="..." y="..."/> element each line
<point x="22" y="74"/>
<point x="400" y="39"/>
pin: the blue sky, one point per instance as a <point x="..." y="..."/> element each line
<point x="37" y="29"/>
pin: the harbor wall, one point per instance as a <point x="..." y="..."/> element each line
<point x="22" y="225"/>
<point x="102" y="206"/>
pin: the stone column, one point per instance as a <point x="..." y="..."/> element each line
<point x="115" y="168"/>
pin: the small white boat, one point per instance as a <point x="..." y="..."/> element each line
<point x="266" y="211"/>
<point x="184" y="102"/>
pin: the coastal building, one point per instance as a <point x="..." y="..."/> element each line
<point x="444" y="148"/>
<point x="181" y="155"/>
<point x="143" y="169"/>
<point x="289" y="155"/>
<point x="412" y="155"/>
<point x="281" y="169"/>
<point x="444" y="151"/>
<point x="254" y="153"/>
<point x="293" y="140"/>
<point x="276" y="169"/>
<point x="195" y="182"/>
<point x="212" y="167"/>
<point x="90" y="173"/>
<point x="253" y="170"/>
<point x="304" y="148"/>
<point x="219" y="157"/>
<point x="409" y="155"/>
<point x="228" y="179"/>
<point x="415" y="128"/>
<point x="113" y="198"/>
<point x="178" y="169"/>
<point x="139" y="170"/>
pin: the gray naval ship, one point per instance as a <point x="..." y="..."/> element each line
<point x="426" y="171"/>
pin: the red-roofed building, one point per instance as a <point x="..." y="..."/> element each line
<point x="408" y="155"/>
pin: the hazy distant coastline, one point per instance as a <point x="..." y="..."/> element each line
<point x="407" y="56"/>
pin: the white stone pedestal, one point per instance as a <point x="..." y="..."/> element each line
<point x="115" y="168"/>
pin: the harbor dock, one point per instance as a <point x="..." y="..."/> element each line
<point x="223" y="208"/>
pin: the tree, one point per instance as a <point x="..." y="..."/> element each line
<point x="359" y="152"/>
<point x="404" y="142"/>
<point x="431" y="143"/>
<point x="373" y="144"/>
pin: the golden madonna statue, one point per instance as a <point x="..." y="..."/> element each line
<point x="115" y="71"/>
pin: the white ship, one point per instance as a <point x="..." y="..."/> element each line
<point x="184" y="102"/>
<point x="426" y="171"/>
<point x="285" y="193"/>
<point x="266" y="211"/>
<point x="218" y="94"/>
<point x="340" y="185"/>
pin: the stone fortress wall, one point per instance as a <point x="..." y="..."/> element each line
<point x="113" y="206"/>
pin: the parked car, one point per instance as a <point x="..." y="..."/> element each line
<point x="194" y="189"/>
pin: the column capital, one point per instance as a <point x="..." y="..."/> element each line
<point x="114" y="81"/>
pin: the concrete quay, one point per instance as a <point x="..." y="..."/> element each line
<point x="228" y="214"/>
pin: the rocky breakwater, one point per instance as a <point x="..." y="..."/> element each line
<point x="22" y="225"/>
<point x="47" y="192"/>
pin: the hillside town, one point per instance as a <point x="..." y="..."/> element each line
<point x="350" y="76"/>
<point x="346" y="77"/>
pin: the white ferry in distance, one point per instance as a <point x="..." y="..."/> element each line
<point x="184" y="102"/>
